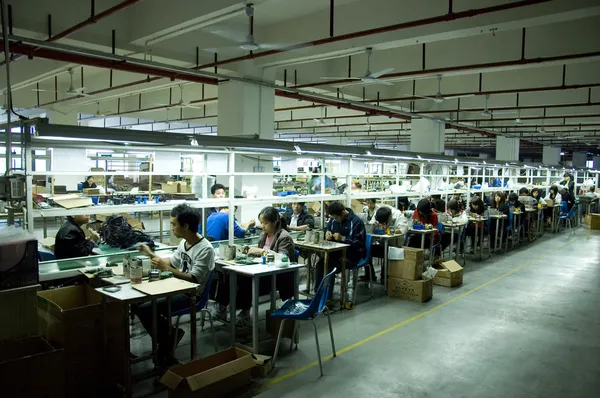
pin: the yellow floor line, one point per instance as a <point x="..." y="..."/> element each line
<point x="414" y="318"/>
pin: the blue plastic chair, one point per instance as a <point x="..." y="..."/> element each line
<point x="564" y="209"/>
<point x="46" y="256"/>
<point x="568" y="217"/>
<point x="307" y="310"/>
<point x="366" y="260"/>
<point x="200" y="307"/>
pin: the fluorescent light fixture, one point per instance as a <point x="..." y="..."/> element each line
<point x="562" y="153"/>
<point x="484" y="162"/>
<point x="419" y="156"/>
<point x="298" y="150"/>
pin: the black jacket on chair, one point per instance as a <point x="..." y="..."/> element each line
<point x="71" y="242"/>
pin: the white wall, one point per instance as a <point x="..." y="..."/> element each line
<point x="71" y="160"/>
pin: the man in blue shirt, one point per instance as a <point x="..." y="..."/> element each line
<point x="217" y="226"/>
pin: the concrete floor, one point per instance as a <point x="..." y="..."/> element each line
<point x="523" y="324"/>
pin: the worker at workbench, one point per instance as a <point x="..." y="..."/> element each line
<point x="89" y="183"/>
<point x="71" y="241"/>
<point x="193" y="261"/>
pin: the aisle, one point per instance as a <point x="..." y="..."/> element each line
<point x="524" y="324"/>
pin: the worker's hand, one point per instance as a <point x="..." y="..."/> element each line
<point x="251" y="224"/>
<point x="94" y="237"/>
<point x="144" y="249"/>
<point x="160" y="263"/>
<point x="255" y="251"/>
<point x="328" y="235"/>
<point x="338" y="237"/>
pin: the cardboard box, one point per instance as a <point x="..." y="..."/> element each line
<point x="414" y="255"/>
<point x="419" y="291"/>
<point x="405" y="269"/>
<point x="32" y="368"/>
<point x="18" y="310"/>
<point x="91" y="191"/>
<point x="449" y="274"/>
<point x="72" y="318"/>
<point x="595" y="221"/>
<point x="549" y="202"/>
<point x="36" y="190"/>
<point x="214" y="376"/>
<point x="174" y="187"/>
<point x="274" y="323"/>
<point x="72" y="201"/>
<point x="263" y="365"/>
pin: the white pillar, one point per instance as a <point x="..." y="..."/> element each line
<point x="248" y="110"/>
<point x="427" y="136"/>
<point x="507" y="149"/>
<point x="579" y="159"/>
<point x="551" y="156"/>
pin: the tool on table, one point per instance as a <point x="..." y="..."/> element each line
<point x="154" y="275"/>
<point x="166" y="275"/>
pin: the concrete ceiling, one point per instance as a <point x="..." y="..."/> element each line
<point x="535" y="61"/>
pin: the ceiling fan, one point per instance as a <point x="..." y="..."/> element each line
<point x="181" y="103"/>
<point x="439" y="98"/>
<point x="320" y="121"/>
<point x="368" y="78"/>
<point x="98" y="112"/>
<point x="80" y="91"/>
<point x="488" y="112"/>
<point x="248" y="42"/>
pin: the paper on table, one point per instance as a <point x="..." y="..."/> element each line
<point x="164" y="286"/>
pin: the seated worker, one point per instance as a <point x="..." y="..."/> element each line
<point x="315" y="183"/>
<point x="275" y="239"/>
<point x="536" y="194"/>
<point x="503" y="208"/>
<point x="217" y="191"/>
<point x="459" y="200"/>
<point x="591" y="193"/>
<point x="89" y="183"/>
<point x="457" y="216"/>
<point x="566" y="197"/>
<point x="556" y="198"/>
<point x="438" y="204"/>
<point x="300" y="219"/>
<point x="370" y="209"/>
<point x="193" y="261"/>
<point x="387" y="217"/>
<point x="71" y="241"/>
<point x="476" y="208"/>
<point x="217" y="226"/>
<point x="344" y="227"/>
<point x="424" y="215"/>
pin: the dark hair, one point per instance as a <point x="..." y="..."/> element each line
<point x="383" y="214"/>
<point x="553" y="190"/>
<point x="592" y="189"/>
<point x="502" y="200"/>
<point x="453" y="205"/>
<point x="480" y="205"/>
<point x="374" y="200"/>
<point x="335" y="208"/>
<point x="523" y="191"/>
<point x="216" y="187"/>
<point x="424" y="209"/>
<point x="568" y="175"/>
<point x="186" y="215"/>
<point x="536" y="190"/>
<point x="513" y="197"/>
<point x="301" y="203"/>
<point x="403" y="203"/>
<point x="436" y="197"/>
<point x="272" y="215"/>
<point x="88" y="177"/>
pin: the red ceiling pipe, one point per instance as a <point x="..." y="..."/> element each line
<point x="510" y="108"/>
<point x="475" y="67"/>
<point x="383" y="29"/>
<point x="89" y="21"/>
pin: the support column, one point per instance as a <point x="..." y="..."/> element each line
<point x="551" y="156"/>
<point x="507" y="149"/>
<point x="248" y="110"/>
<point x="579" y="159"/>
<point x="427" y="136"/>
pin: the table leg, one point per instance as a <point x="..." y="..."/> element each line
<point x="255" y="280"/>
<point x="475" y="237"/>
<point x="431" y="248"/>
<point x="501" y="231"/>
<point x="385" y="263"/>
<point x="496" y="236"/>
<point x="481" y="243"/>
<point x="127" y="381"/>
<point x="297" y="297"/>
<point x="344" y="279"/>
<point x="232" y="302"/>
<point x="160" y="223"/>
<point x="308" y="269"/>
<point x="452" y="244"/>
<point x="154" y="330"/>
<point x="45" y="227"/>
<point x="193" y="337"/>
<point x="422" y="241"/>
<point x="273" y="292"/>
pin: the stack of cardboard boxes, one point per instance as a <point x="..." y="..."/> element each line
<point x="405" y="277"/>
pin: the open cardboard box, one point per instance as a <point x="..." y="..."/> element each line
<point x="449" y="274"/>
<point x="72" y="201"/>
<point x="217" y="375"/>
